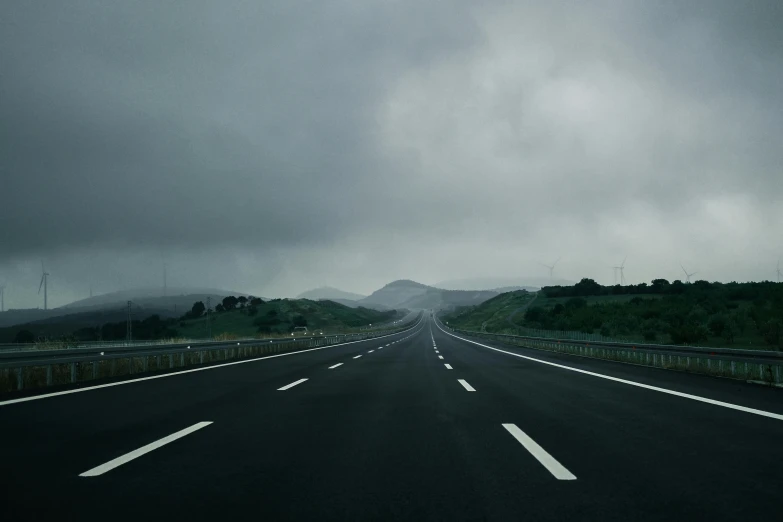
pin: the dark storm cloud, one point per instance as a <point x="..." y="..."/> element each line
<point x="283" y="145"/>
<point x="198" y="123"/>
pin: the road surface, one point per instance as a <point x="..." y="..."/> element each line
<point x="415" y="426"/>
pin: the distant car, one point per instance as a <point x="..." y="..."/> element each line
<point x="302" y="329"/>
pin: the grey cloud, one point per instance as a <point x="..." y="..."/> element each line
<point x="293" y="144"/>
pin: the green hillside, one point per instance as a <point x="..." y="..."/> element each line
<point x="241" y="319"/>
<point x="740" y="315"/>
<point x="280" y="316"/>
<point x="491" y="315"/>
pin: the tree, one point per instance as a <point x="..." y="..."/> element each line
<point x="255" y="301"/>
<point x="242" y="300"/>
<point x="299" y="320"/>
<point x="220" y="308"/>
<point x="717" y="324"/>
<point x="24" y="336"/>
<point x="230" y="302"/>
<point x="198" y="309"/>
<point x="660" y="286"/>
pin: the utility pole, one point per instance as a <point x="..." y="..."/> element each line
<point x="209" y="325"/>
<point x="129" y="332"/>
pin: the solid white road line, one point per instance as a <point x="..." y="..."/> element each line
<point x="548" y="461"/>
<point x="465" y="385"/>
<point x="335" y="366"/>
<point x="448" y="366"/>
<point x="287" y="386"/>
<point x="729" y="405"/>
<point x="370" y="351"/>
<point x="357" y="356"/>
<point x="172" y="374"/>
<point x="440" y="357"/>
<point x="119" y="461"/>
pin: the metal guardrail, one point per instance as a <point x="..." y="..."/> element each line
<point x="753" y="365"/>
<point x="20" y="370"/>
<point x="44" y="346"/>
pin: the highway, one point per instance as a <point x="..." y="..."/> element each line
<point x="419" y="425"/>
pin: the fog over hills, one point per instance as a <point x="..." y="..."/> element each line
<point x="501" y="283"/>
<point x="331" y="293"/>
<point x="409" y="294"/>
<point x="146" y="302"/>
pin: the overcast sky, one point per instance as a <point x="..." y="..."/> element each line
<point x="271" y="147"/>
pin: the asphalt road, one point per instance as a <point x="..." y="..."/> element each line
<point x="416" y="426"/>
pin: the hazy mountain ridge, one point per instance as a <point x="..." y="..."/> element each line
<point x="146" y="301"/>
<point x="411" y="295"/>
<point x="330" y="293"/>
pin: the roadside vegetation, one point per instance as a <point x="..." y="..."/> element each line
<point x="739" y="315"/>
<point x="234" y="317"/>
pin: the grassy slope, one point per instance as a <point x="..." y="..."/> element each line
<point x="492" y="313"/>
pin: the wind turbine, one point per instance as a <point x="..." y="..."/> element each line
<point x="687" y="275"/>
<point x="44" y="281"/>
<point x="551" y="267"/>
<point x="622" y="273"/>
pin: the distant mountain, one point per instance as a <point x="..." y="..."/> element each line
<point x="147" y="301"/>
<point x="141" y="295"/>
<point x="330" y="293"/>
<point x="395" y="293"/>
<point x="502" y="284"/>
<point x="356" y="304"/>
<point x="412" y="295"/>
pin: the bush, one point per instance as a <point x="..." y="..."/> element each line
<point x="24" y="336"/>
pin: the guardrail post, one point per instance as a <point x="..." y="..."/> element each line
<point x="157" y="362"/>
<point x="95" y="369"/>
<point x="182" y="359"/>
<point x="171" y="361"/>
<point x="113" y="367"/>
<point x="73" y="372"/>
<point x="49" y="375"/>
<point x="201" y="357"/>
<point x="130" y="365"/>
<point x="145" y="365"/>
<point x="19" y="380"/>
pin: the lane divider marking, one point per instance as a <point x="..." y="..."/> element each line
<point x="465" y="385"/>
<point x="288" y="386"/>
<point x="548" y="461"/>
<point x="123" y="459"/>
